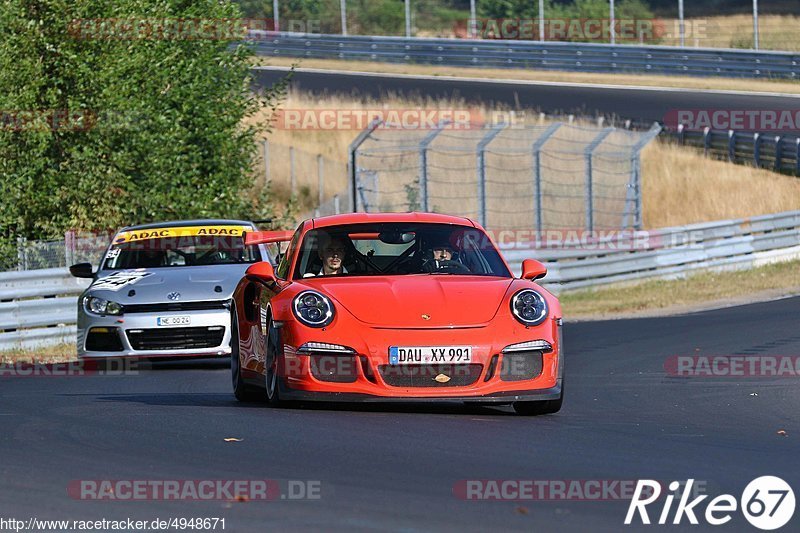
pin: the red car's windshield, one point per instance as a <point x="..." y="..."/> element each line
<point x="398" y="249"/>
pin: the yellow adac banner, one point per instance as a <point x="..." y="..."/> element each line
<point x="180" y="231"/>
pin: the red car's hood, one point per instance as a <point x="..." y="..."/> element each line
<point x="401" y="301"/>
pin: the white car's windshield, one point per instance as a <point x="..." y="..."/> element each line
<point x="398" y="249"/>
<point x="178" y="247"/>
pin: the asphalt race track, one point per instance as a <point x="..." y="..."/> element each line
<point x="393" y="468"/>
<point x="642" y="104"/>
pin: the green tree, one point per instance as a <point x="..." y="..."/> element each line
<point x="154" y="126"/>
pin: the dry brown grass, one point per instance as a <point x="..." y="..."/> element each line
<point x="776" y="32"/>
<point x="675" y="296"/>
<point x="680" y="185"/>
<point x="61" y="353"/>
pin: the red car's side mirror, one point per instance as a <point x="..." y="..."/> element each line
<point x="533" y="270"/>
<point x="261" y="271"/>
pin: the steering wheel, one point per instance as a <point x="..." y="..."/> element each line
<point x="450" y="266"/>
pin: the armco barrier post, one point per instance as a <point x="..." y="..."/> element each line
<point x="778" y="153"/>
<point x="797" y="156"/>
<point x="757" y="150"/>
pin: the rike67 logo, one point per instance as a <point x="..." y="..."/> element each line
<point x="767" y="503"/>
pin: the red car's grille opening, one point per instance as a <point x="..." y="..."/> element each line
<point x="166" y="307"/>
<point x="334" y="368"/>
<point x="519" y="366"/>
<point x="430" y="375"/>
<point x="176" y="338"/>
<point x="103" y="340"/>
<point x="366" y="368"/>
<point x="491" y="370"/>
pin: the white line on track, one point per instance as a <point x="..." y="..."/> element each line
<point x="532" y="82"/>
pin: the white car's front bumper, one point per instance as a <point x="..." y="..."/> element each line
<point x="207" y="334"/>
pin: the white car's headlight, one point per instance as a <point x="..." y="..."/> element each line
<point x="313" y="309"/>
<point x="529" y="307"/>
<point x="101" y="306"/>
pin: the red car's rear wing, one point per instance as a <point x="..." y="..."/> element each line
<point x="265" y="237"/>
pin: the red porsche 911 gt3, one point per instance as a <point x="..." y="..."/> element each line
<point x="404" y="307"/>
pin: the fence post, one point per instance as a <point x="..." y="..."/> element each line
<point x="731" y="145"/>
<point x="423" y="164"/>
<point x="22" y="257"/>
<point x="320" y="179"/>
<point x="69" y="247"/>
<point x="352" y="169"/>
<point x="538" y="144"/>
<point x="266" y="162"/>
<point x="292" y="174"/>
<point x="778" y="152"/>
<point x="681" y="134"/>
<point x="481" y="149"/>
<point x="588" y="153"/>
<point x="706" y="140"/>
<point x="634" y="192"/>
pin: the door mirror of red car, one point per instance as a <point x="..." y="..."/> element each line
<point x="261" y="271"/>
<point x="533" y="270"/>
<point x="82" y="270"/>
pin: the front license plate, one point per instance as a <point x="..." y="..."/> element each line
<point x="422" y="355"/>
<point x="174" y="320"/>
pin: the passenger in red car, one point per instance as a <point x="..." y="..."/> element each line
<point x="332" y="252"/>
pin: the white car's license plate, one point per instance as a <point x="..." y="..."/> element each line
<point x="422" y="355"/>
<point x="174" y="320"/>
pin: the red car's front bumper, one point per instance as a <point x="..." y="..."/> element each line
<point x="494" y="375"/>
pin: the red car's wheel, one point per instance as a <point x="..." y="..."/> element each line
<point x="271" y="365"/>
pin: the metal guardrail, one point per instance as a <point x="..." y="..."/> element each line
<point x="669" y="252"/>
<point x="774" y="151"/>
<point x="580" y="57"/>
<point x="38" y="307"/>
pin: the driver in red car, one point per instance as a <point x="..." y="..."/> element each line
<point x="442" y="259"/>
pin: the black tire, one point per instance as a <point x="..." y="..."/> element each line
<point x="272" y="352"/>
<point x="546" y="407"/>
<point x="242" y="391"/>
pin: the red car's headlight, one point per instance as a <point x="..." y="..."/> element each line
<point x="313" y="309"/>
<point x="529" y="307"/>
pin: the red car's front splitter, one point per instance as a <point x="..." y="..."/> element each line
<point x="552" y="393"/>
